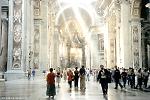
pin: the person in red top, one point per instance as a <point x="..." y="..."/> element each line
<point x="51" y="90"/>
<point x="70" y="77"/>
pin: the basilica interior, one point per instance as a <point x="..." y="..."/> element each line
<point x="41" y="34"/>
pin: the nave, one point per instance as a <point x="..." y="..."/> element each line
<point x="24" y="89"/>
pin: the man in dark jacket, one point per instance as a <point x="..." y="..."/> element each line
<point x="117" y="77"/>
<point x="103" y="79"/>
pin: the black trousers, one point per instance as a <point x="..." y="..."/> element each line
<point x="117" y="81"/>
<point x="104" y="85"/>
<point x="70" y="83"/>
<point x="76" y="82"/>
<point x="124" y="81"/>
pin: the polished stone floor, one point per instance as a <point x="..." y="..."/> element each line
<point x="24" y="89"/>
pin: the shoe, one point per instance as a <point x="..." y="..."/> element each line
<point x="52" y="97"/>
<point x="121" y="87"/>
<point x="115" y="88"/>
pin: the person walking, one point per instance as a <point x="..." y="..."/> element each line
<point x="58" y="77"/>
<point x="124" y="77"/>
<point x="132" y="79"/>
<point x="29" y="73"/>
<point x="139" y="79"/>
<point x="33" y="73"/>
<point x="103" y="78"/>
<point x="145" y="77"/>
<point x="70" y="78"/>
<point x="76" y="77"/>
<point x="117" y="77"/>
<point x="82" y="78"/>
<point x="51" y="90"/>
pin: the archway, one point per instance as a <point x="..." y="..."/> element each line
<point x="73" y="23"/>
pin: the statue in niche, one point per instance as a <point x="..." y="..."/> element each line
<point x="135" y="34"/>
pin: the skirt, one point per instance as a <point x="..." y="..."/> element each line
<point x="51" y="90"/>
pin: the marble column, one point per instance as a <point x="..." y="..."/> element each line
<point x="15" y="39"/>
<point x="55" y="49"/>
<point x="0" y="39"/>
<point x="0" y="34"/>
<point x="4" y="46"/>
<point x="136" y="35"/>
<point x="118" y="35"/>
<point x="29" y="34"/>
<point x="83" y="55"/>
<point x="0" y="18"/>
<point x="68" y="54"/>
<point x="125" y="35"/>
<point x="136" y="43"/>
<point x="44" y="35"/>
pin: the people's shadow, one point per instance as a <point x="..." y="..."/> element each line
<point x="76" y="89"/>
<point x="82" y="92"/>
<point x="50" y="98"/>
<point x="105" y="97"/>
<point x="69" y="90"/>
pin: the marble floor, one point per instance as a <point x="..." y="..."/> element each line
<point x="23" y="89"/>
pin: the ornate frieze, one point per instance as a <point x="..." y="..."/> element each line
<point x="17" y="30"/>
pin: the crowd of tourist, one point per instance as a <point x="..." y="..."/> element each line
<point x="134" y="78"/>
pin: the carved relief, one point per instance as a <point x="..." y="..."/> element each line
<point x="136" y="58"/>
<point x="16" y="54"/>
<point x="17" y="38"/>
<point x="17" y="30"/>
<point x="135" y="9"/>
<point x="135" y="12"/>
<point x="36" y="63"/>
<point x="37" y="7"/>
<point x="135" y="37"/>
<point x="17" y="15"/>
<point x="136" y="4"/>
<point x="16" y="57"/>
<point x="36" y="45"/>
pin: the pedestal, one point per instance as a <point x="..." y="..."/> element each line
<point x="14" y="75"/>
